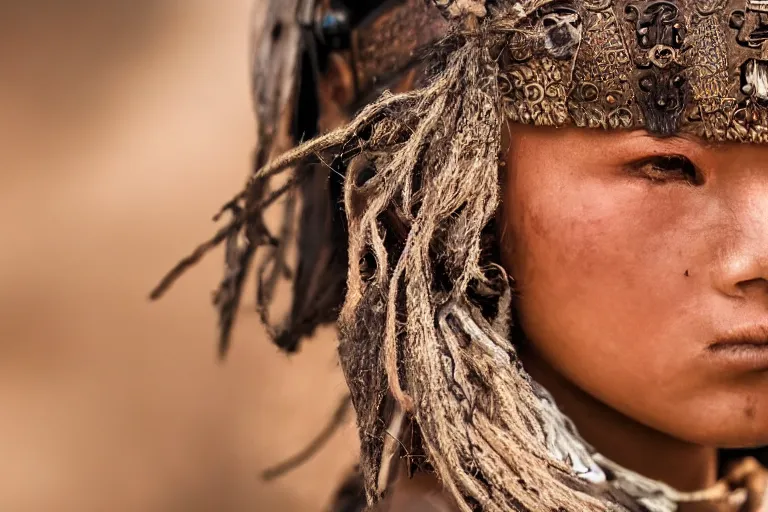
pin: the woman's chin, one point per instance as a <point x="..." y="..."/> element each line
<point x="734" y="436"/>
<point x="733" y="423"/>
<point x="744" y="442"/>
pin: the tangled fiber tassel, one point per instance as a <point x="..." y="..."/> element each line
<point x="454" y="9"/>
<point x="442" y="358"/>
<point x="425" y="318"/>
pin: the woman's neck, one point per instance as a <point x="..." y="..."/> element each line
<point x="684" y="466"/>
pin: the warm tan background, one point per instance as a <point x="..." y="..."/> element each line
<point x="123" y="126"/>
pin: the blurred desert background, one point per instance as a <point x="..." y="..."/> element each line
<point x="123" y="127"/>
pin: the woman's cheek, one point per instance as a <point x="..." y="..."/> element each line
<point x="584" y="240"/>
<point x="598" y="268"/>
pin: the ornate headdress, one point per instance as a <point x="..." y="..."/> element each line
<point x="693" y="66"/>
<point x="398" y="211"/>
<point x="690" y="66"/>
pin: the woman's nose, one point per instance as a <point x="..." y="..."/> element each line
<point x="743" y="274"/>
<point x="742" y="264"/>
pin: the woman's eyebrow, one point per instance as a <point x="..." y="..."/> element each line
<point x="678" y="141"/>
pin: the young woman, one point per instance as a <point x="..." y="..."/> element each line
<point x="551" y="249"/>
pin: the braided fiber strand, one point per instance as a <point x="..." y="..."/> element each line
<point x="442" y="358"/>
<point x="426" y="313"/>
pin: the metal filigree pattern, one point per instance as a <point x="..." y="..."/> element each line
<point x="534" y="92"/>
<point x="706" y="62"/>
<point x="751" y="25"/>
<point x="601" y="96"/>
<point x="660" y="83"/>
<point x="693" y="66"/>
<point x="537" y="69"/>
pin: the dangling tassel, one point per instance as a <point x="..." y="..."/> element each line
<point x="457" y="9"/>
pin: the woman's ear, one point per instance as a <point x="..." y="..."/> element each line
<point x="336" y="91"/>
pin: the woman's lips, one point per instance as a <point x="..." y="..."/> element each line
<point x="744" y="348"/>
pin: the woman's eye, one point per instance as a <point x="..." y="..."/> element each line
<point x="667" y="168"/>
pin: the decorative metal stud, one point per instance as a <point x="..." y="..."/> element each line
<point x="561" y="29"/>
<point x="751" y="26"/>
<point x="332" y="26"/>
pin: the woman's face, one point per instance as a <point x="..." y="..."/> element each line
<point x="642" y="268"/>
